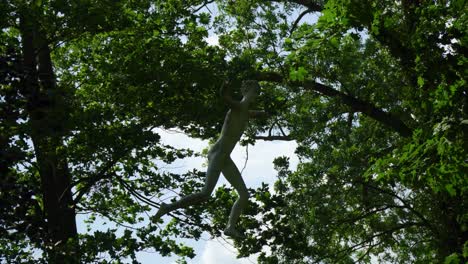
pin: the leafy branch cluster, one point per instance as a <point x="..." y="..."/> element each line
<point x="373" y="92"/>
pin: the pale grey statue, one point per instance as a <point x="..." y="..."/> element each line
<point x="219" y="159"/>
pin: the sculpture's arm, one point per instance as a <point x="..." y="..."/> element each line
<point x="258" y="114"/>
<point x="225" y="93"/>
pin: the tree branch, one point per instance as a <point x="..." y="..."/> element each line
<point x="351" y="220"/>
<point x="298" y="19"/>
<point x="314" y="6"/>
<point x="203" y="5"/>
<point x="99" y="175"/>
<point x="282" y="131"/>
<point x="404" y="202"/>
<point x="271" y="138"/>
<point x="370" y="239"/>
<point x="356" y="104"/>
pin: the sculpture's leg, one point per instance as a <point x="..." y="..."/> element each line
<point x="234" y="177"/>
<point x="212" y="176"/>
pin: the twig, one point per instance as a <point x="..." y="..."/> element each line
<point x="205" y="4"/>
<point x="405" y="204"/>
<point x="282" y="132"/>
<point x="298" y="19"/>
<point x="101" y="174"/>
<point x="271" y="138"/>
<point x="246" y="158"/>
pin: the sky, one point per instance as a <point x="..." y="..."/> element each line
<point x="259" y="169"/>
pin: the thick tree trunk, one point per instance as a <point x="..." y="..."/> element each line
<point x="451" y="234"/>
<point x="46" y="118"/>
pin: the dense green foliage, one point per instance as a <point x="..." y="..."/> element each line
<point x="374" y="92"/>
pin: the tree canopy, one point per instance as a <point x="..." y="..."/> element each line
<point x="374" y="93"/>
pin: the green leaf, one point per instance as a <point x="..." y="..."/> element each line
<point x="298" y="75"/>
<point x="449" y="188"/>
<point x="420" y="81"/>
<point x="465" y="249"/>
<point x="452" y="259"/>
<point x="335" y="41"/>
<point x="38" y="3"/>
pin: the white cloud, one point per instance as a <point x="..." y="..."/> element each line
<point x="259" y="166"/>
<point x="260" y="161"/>
<point x="216" y="252"/>
<point x="259" y="169"/>
<point x="213" y="40"/>
<point x="178" y="139"/>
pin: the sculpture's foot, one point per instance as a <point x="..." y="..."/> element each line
<point x="232" y="232"/>
<point x="163" y="209"/>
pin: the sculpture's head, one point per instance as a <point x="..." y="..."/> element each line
<point x="250" y="89"/>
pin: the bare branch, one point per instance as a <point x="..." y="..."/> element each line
<point x="404" y="202"/>
<point x="365" y="214"/>
<point x="147" y="201"/>
<point x="356" y="104"/>
<point x="271" y="138"/>
<point x="298" y="19"/>
<point x="282" y="131"/>
<point x="203" y="5"/>
<point x="101" y="174"/>
<point x="315" y="6"/>
<point x="271" y="129"/>
<point x="246" y="158"/>
<point x="370" y="239"/>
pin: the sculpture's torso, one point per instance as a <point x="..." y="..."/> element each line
<point x="233" y="127"/>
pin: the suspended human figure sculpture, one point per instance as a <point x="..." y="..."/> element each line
<point x="219" y="159"/>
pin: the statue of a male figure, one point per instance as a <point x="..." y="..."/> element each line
<point x="219" y="159"/>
